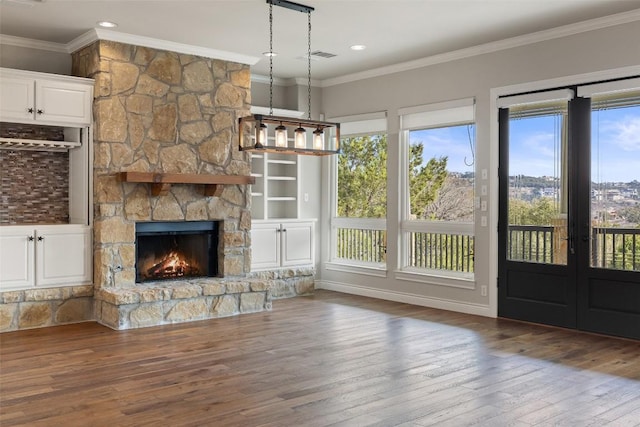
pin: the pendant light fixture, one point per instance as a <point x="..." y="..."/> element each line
<point x="269" y="133"/>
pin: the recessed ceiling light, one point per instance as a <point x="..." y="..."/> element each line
<point x="107" y="24"/>
<point x="358" y="47"/>
<point x="268" y="54"/>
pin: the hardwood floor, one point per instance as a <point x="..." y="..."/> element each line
<point x="330" y="359"/>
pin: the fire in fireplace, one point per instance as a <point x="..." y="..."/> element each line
<point x="170" y="250"/>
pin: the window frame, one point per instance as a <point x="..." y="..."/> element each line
<point x="431" y="116"/>
<point x="355" y="126"/>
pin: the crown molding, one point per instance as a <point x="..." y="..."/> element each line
<point x="115" y="36"/>
<point x="32" y="44"/>
<point x="277" y="81"/>
<point x="540" y="36"/>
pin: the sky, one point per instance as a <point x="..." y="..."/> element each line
<point x="615" y="143"/>
<point x="615" y="146"/>
<point x="450" y="141"/>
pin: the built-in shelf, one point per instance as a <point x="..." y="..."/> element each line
<point x="281" y="199"/>
<point x="161" y="182"/>
<point x="281" y="178"/>
<point x="282" y="162"/>
<point x="36" y="145"/>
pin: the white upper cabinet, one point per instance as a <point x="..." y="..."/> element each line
<point x="29" y="97"/>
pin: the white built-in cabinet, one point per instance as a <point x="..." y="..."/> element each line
<point x="49" y="255"/>
<point x="28" y="97"/>
<point x="45" y="256"/>
<point x="285" y="243"/>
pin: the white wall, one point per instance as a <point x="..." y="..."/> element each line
<point x="22" y="58"/>
<point x="583" y="56"/>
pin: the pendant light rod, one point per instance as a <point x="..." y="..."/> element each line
<point x="291" y="5"/>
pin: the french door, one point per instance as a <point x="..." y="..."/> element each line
<point x="569" y="209"/>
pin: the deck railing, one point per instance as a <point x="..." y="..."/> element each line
<point x="615" y="248"/>
<point x="440" y="251"/>
<point x="533" y="243"/>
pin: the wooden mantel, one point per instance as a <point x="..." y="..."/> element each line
<point x="161" y="182"/>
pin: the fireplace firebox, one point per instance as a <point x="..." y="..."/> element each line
<point x="176" y="250"/>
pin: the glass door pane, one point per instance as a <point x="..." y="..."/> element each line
<point x="538" y="183"/>
<point x="615" y="183"/>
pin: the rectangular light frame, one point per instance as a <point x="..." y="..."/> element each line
<point x="249" y="126"/>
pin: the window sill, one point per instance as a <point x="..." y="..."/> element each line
<point x="375" y="270"/>
<point x="437" y="277"/>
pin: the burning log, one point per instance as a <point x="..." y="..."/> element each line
<point x="172" y="266"/>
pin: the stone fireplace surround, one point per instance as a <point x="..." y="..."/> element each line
<point x="159" y="111"/>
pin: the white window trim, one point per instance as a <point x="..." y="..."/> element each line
<point x="454" y="112"/>
<point x="354" y="126"/>
<point x="618" y="86"/>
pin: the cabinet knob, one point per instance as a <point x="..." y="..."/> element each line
<point x="284" y="230"/>
<point x="40" y="238"/>
<point x="30" y="238"/>
<point x="30" y="110"/>
<point x="278" y="230"/>
<point x="39" y="111"/>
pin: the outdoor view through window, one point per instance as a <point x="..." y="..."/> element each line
<point x="441" y="171"/>
<point x="539" y="181"/>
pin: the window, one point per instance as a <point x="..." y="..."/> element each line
<point x="359" y="219"/>
<point x="615" y="179"/>
<point x="438" y="157"/>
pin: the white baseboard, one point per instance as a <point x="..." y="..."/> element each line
<point x="424" y="301"/>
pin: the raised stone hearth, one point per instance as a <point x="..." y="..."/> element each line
<point x="189" y="300"/>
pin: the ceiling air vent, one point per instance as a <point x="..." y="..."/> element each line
<point x="317" y="55"/>
<point x="321" y="54"/>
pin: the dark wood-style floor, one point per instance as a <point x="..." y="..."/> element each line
<point x="330" y="359"/>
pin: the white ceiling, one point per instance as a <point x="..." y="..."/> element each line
<point x="394" y="31"/>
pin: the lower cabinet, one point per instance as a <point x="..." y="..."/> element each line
<point x="44" y="256"/>
<point x="277" y="244"/>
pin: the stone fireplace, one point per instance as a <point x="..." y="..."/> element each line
<point x="163" y="112"/>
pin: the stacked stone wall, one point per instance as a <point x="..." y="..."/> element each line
<point x="159" y="111"/>
<point x="37" y="308"/>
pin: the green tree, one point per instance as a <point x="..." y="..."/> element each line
<point x="631" y="215"/>
<point x="425" y="180"/>
<point x="362" y="177"/>
<point x="540" y="211"/>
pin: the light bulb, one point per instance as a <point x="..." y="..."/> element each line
<point x="281" y="136"/>
<point x="261" y="135"/>
<point x="318" y="139"/>
<point x="300" y="138"/>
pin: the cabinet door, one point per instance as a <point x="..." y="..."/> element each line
<point x="62" y="102"/>
<point x="297" y="247"/>
<point x="16" y="257"/>
<point x="63" y="255"/>
<point x="265" y="245"/>
<point x="17" y="99"/>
